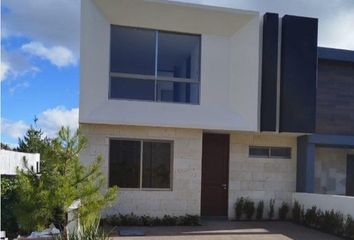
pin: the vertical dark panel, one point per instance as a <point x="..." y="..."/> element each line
<point x="350" y="176"/>
<point x="305" y="174"/>
<point x="269" y="72"/>
<point x="298" y="74"/>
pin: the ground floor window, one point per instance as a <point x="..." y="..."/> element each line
<point x="142" y="164"/>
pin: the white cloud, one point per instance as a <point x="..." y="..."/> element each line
<point x="52" y="119"/>
<point x="336" y="17"/>
<point x="14" y="64"/>
<point x="18" y="86"/>
<point x="49" y="121"/>
<point x="57" y="55"/>
<point x="4" y="71"/>
<point x="52" y="22"/>
<point x="13" y="129"/>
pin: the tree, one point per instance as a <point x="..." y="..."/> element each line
<point x="63" y="179"/>
<point x="5" y="146"/>
<point x="34" y="141"/>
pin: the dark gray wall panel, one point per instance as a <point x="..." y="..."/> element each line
<point x="269" y="72"/>
<point x="335" y="97"/>
<point x="298" y="74"/>
<point x="305" y="174"/>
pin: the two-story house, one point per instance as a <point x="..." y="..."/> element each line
<point x="193" y="106"/>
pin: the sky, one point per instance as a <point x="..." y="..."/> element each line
<point x="40" y="41"/>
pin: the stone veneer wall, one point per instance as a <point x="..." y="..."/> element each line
<point x="331" y="170"/>
<point x="186" y="185"/>
<point x="261" y="178"/>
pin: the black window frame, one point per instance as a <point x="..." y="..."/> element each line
<point x="156" y="78"/>
<point x="141" y="188"/>
<point x="269" y="149"/>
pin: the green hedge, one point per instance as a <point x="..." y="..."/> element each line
<point x="134" y="220"/>
<point x="331" y="221"/>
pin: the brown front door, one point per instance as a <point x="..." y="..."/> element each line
<point x="215" y="174"/>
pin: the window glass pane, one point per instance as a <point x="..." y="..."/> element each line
<point x="178" y="55"/>
<point x="156" y="165"/>
<point x="132" y="50"/>
<point x="124" y="163"/>
<point x="280" y="152"/>
<point x="131" y="88"/>
<point x="178" y="92"/>
<point x="259" y="152"/>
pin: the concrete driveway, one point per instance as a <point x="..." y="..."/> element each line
<point x="225" y="230"/>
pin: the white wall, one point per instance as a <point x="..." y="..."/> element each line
<point x="229" y="71"/>
<point x="11" y="160"/>
<point x="343" y="204"/>
<point x="331" y="170"/>
<point x="261" y="179"/>
<point x="183" y="198"/>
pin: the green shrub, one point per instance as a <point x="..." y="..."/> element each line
<point x="259" y="211"/>
<point x="248" y="208"/>
<point x="296" y="212"/>
<point x="332" y="222"/>
<point x="167" y="220"/>
<point x="349" y="227"/>
<point x="312" y="217"/>
<point x="239" y="208"/>
<point x="9" y="199"/>
<point x="189" y="220"/>
<point x="283" y="211"/>
<point x="271" y="209"/>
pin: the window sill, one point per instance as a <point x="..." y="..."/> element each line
<point x="146" y="189"/>
<point x="151" y="101"/>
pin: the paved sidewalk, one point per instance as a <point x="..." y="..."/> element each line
<point x="225" y="230"/>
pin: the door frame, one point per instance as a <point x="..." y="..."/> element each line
<point x="227" y="171"/>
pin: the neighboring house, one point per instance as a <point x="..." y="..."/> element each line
<point x="10" y="161"/>
<point x="193" y="106"/>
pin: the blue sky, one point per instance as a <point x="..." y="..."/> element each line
<point x="40" y="54"/>
<point x="39" y="66"/>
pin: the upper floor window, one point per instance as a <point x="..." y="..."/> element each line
<point x="154" y="65"/>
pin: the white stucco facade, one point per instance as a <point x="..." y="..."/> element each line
<point x="229" y="84"/>
<point x="184" y="195"/>
<point x="256" y="178"/>
<point x="261" y="179"/>
<point x="229" y="103"/>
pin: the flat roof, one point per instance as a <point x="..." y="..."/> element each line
<point x="176" y="16"/>
<point x="335" y="54"/>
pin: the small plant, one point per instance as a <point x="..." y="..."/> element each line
<point x="349" y="227"/>
<point x="271" y="209"/>
<point x="283" y="211"/>
<point x="188" y="220"/>
<point x="312" y="217"/>
<point x="147" y="220"/>
<point x="239" y="207"/>
<point x="259" y="211"/>
<point x="167" y="220"/>
<point x="248" y="208"/>
<point x="297" y="212"/>
<point x="332" y="222"/>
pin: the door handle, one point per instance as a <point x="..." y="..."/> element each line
<point x="224" y="186"/>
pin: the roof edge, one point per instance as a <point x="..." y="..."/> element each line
<point x="335" y="54"/>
